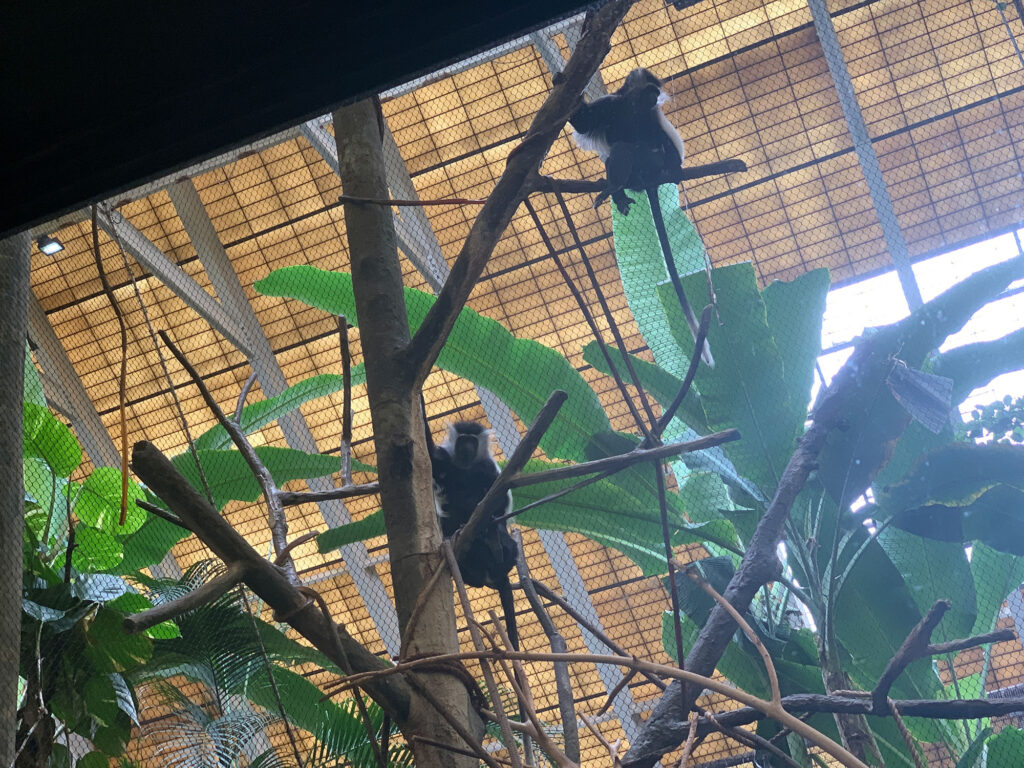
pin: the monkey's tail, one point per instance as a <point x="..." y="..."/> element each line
<point x="508" y="608"/>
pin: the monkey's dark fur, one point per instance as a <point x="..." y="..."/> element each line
<point x="463" y="471"/>
<point x="639" y="146"/>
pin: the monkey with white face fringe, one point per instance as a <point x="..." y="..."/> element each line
<point x="639" y="146"/>
<point x="464" y="470"/>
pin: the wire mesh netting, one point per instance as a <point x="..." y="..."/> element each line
<point x="882" y="145"/>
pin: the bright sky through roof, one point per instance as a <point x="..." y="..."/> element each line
<point x="879" y="301"/>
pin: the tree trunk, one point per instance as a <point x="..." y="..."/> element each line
<point x="14" y="286"/>
<point x="403" y="465"/>
<point x="853" y="729"/>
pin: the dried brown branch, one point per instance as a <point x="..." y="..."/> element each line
<point x="563" y="683"/>
<point x="242" y="396"/>
<point x="277" y="520"/>
<point x="262" y="577"/>
<point x="908" y="738"/>
<point x="953" y="646"/>
<point x="613" y="748"/>
<point x="549" y="594"/>
<point x="161" y="513"/>
<point x="512" y="187"/>
<point x="615" y="463"/>
<point x="766" y="659"/>
<point x="201" y="595"/>
<point x="691" y="737"/>
<point x="552" y="184"/>
<point x="485" y="665"/>
<point x="409" y="203"/>
<point x="766" y="708"/>
<point x="913" y="647"/>
<point x="294" y="498"/>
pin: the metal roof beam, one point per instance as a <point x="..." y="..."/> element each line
<point x="272" y="380"/>
<point x="865" y="150"/>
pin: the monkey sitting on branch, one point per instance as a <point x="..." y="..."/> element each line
<point x="640" y="148"/>
<point x="464" y="470"/>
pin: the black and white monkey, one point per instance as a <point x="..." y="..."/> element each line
<point x="639" y="146"/>
<point x="641" y="150"/>
<point x="464" y="470"/>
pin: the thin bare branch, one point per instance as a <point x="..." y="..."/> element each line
<point x="563" y="683"/>
<point x="161" y="513"/>
<point x="624" y="460"/>
<point x="277" y="520"/>
<point x="953" y="646"/>
<point x="691" y="737"/>
<point x="201" y="595"/>
<point x="913" y="647"/>
<point x="295" y="498"/>
<point x="485" y="665"/>
<point x="513" y="187"/>
<point x="766" y="659"/>
<point x="242" y="397"/>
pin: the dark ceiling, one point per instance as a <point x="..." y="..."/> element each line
<point x="98" y="97"/>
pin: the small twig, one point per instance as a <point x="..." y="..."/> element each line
<point x="170" y="517"/>
<point x="69" y="550"/>
<point x="613" y="749"/>
<point x="563" y="683"/>
<point x="766" y="659"/>
<point x="673" y="593"/>
<point x="624" y="460"/>
<point x="747" y="758"/>
<point x="410" y="203"/>
<point x="242" y="396"/>
<point x="201" y="595"/>
<point x="346" y="410"/>
<point x="913" y="647"/>
<point x="478" y="643"/>
<point x="295" y="498"/>
<point x="550" y="594"/>
<point x="521" y="683"/>
<point x="482" y="513"/>
<point x="277" y="520"/>
<point x="684" y="759"/>
<point x="286" y="552"/>
<point x="616" y="690"/>
<point x="543" y="183"/>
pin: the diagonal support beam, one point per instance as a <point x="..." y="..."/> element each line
<point x="272" y="380"/>
<point x="174" y="277"/>
<point x="865" y="151"/>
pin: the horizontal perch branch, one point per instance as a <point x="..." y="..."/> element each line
<point x="201" y="595"/>
<point x="615" y="463"/>
<point x="265" y="579"/>
<point x="294" y="498"/>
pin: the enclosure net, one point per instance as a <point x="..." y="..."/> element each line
<point x="883" y="146"/>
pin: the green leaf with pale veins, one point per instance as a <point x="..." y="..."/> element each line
<point x="263" y="412"/>
<point x="230" y="478"/>
<point x="478" y="349"/>
<point x="369" y="527"/>
<point x="48" y="439"/>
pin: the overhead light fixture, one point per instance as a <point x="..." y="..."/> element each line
<point x="49" y="245"/>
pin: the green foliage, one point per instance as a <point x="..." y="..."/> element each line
<point x="369" y="527"/>
<point x="1003" y="421"/>
<point x="479" y="349"/>
<point x="263" y="412"/>
<point x="230" y="478"/>
<point x="754" y="387"/>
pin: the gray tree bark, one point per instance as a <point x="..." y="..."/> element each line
<point x="403" y="466"/>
